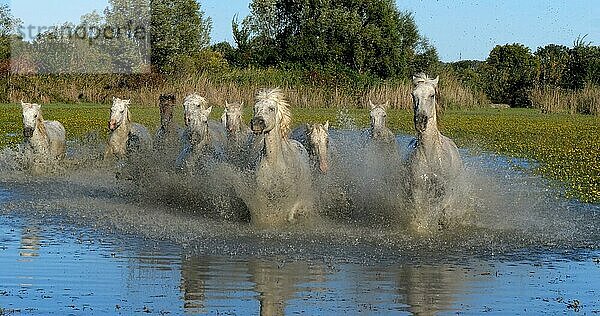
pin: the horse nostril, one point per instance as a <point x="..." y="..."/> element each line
<point x="28" y="132"/>
<point x="257" y="124"/>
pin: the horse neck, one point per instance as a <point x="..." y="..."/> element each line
<point x="273" y="144"/>
<point x="40" y="135"/>
<point x="200" y="137"/>
<point x="430" y="140"/>
<point x="125" y="127"/>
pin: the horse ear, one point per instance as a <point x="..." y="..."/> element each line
<point x="326" y="125"/>
<point x="209" y="109"/>
<point x="127" y="102"/>
<point x="242" y="104"/>
<point x="371" y="104"/>
<point x="436" y="81"/>
<point x="224" y="118"/>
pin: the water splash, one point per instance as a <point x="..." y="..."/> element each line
<point x="363" y="203"/>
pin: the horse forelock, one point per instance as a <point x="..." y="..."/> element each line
<point x="195" y="99"/>
<point x="284" y="116"/>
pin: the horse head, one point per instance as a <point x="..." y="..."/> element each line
<point x="119" y="113"/>
<point x="31" y="116"/>
<point x="166" y="102"/>
<point x="232" y="117"/>
<point x="424" y="101"/>
<point x="378" y="115"/>
<point x="271" y="113"/>
<point x="192" y="104"/>
<point x="318" y="138"/>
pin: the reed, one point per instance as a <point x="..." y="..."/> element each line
<point x="557" y="100"/>
<point x="233" y="85"/>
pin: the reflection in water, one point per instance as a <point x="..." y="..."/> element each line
<point x="276" y="283"/>
<point x="30" y="241"/>
<point x="428" y="290"/>
<point x="194" y="275"/>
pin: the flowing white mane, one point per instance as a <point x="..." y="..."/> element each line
<point x="195" y="99"/>
<point x="284" y="116"/>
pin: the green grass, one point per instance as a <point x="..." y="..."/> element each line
<point x="566" y="146"/>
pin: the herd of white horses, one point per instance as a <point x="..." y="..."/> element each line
<point x="283" y="161"/>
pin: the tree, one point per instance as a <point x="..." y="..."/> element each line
<point x="510" y="73"/>
<point x="365" y="36"/>
<point x="178" y="28"/>
<point x="584" y="65"/>
<point x="554" y="61"/>
<point x="8" y="25"/>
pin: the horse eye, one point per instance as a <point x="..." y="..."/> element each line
<point x="122" y="111"/>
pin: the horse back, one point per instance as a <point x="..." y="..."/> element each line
<point x="140" y="132"/>
<point x="56" y="138"/>
<point x="55" y="130"/>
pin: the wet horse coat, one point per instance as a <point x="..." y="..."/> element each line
<point x="45" y="139"/>
<point x="433" y="159"/>
<point x="282" y="174"/>
<point x="126" y="136"/>
<point x="315" y="138"/>
<point x="204" y="137"/>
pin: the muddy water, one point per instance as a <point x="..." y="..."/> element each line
<point x="79" y="241"/>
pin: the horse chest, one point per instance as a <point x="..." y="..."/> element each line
<point x="118" y="141"/>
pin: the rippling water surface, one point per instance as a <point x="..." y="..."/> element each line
<point x="79" y="241"/>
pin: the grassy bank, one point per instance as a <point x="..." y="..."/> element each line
<point x="567" y="146"/>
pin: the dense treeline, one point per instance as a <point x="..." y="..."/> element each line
<point x="340" y="51"/>
<point x="553" y="78"/>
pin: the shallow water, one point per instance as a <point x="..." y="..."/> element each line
<point x="79" y="241"/>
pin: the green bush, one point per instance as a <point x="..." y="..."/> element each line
<point x="510" y="72"/>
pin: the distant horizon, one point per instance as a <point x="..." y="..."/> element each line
<point x="459" y="30"/>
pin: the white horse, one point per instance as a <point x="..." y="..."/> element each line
<point x="379" y="131"/>
<point x="204" y="136"/>
<point x="238" y="134"/>
<point x="237" y="131"/>
<point x="283" y="182"/>
<point x="433" y="159"/>
<point x="45" y="139"/>
<point x="315" y="138"/>
<point x="125" y="136"/>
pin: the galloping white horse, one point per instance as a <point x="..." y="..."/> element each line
<point x="125" y="136"/>
<point x="235" y="128"/>
<point x="433" y="160"/>
<point x="46" y="139"/>
<point x="315" y="138"/>
<point x="204" y="136"/>
<point x="283" y="182"/>
<point x="238" y="134"/>
<point x="379" y="131"/>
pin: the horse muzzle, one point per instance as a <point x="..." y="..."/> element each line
<point x="27" y="132"/>
<point x="421" y="122"/>
<point x="112" y="125"/>
<point x="258" y="125"/>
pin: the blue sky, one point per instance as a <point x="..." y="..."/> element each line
<point x="459" y="29"/>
